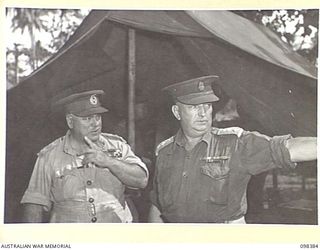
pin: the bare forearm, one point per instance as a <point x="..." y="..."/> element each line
<point x="33" y="213"/>
<point x="130" y="174"/>
<point x="302" y="148"/>
<point x="155" y="215"/>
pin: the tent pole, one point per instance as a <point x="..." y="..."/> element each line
<point x="131" y="87"/>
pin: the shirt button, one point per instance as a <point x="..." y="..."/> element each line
<point x="93" y="219"/>
<point x="184" y="174"/>
<point x="91" y="200"/>
<point x="89" y="182"/>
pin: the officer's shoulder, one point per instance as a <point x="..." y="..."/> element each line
<point x="50" y="146"/>
<point x="164" y="144"/>
<point x="113" y="137"/>
<point x="228" y="131"/>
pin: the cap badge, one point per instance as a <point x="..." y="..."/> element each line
<point x="93" y="100"/>
<point x="201" y="86"/>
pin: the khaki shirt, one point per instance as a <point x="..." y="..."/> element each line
<point x="209" y="183"/>
<point x="77" y="193"/>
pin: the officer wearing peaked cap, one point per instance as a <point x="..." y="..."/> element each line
<point x="82" y="104"/>
<point x="194" y="91"/>
<point x="202" y="172"/>
<point x="81" y="177"/>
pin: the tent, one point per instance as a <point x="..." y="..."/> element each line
<point x="275" y="88"/>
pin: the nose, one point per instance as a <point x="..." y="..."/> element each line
<point x="201" y="110"/>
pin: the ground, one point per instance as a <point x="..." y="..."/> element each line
<point x="293" y="201"/>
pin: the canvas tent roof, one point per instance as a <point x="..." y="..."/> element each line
<point x="272" y="85"/>
<point x="225" y="25"/>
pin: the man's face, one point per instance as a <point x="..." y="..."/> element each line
<point x="195" y="120"/>
<point x="89" y="126"/>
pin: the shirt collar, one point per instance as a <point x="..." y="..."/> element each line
<point x="181" y="140"/>
<point x="207" y="137"/>
<point x="67" y="147"/>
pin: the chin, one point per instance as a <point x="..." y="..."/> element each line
<point x="203" y="129"/>
<point x="93" y="137"/>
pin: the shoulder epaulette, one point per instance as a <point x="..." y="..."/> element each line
<point x="112" y="136"/>
<point x="50" y="146"/>
<point x="256" y="133"/>
<point x="163" y="144"/>
<point x="228" y="131"/>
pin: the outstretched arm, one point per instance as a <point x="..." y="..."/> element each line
<point x="302" y="148"/>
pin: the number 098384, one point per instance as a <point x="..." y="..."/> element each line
<point x="309" y="246"/>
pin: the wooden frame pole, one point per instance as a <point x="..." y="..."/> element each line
<point x="131" y="86"/>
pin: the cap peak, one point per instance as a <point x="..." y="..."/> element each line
<point x="82" y="103"/>
<point x="194" y="91"/>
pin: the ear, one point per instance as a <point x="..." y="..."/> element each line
<point x="69" y="120"/>
<point x="176" y="112"/>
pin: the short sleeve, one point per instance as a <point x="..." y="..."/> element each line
<point x="280" y="153"/>
<point x="38" y="191"/>
<point x="262" y="153"/>
<point x="129" y="157"/>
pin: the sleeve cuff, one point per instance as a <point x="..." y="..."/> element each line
<point x="140" y="164"/>
<point x="36" y="198"/>
<point x="280" y="152"/>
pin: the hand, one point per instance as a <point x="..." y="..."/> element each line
<point x="96" y="155"/>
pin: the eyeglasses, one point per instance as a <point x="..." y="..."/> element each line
<point x="90" y="118"/>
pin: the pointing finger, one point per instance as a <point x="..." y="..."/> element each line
<point x="88" y="141"/>
<point x="87" y="153"/>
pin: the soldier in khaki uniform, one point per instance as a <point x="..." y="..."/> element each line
<point x="81" y="177"/>
<point x="202" y="172"/>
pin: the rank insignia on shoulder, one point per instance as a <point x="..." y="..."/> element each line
<point x="228" y="131"/>
<point x="164" y="144"/>
<point x="50" y="146"/>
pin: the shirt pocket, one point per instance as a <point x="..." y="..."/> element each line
<point x="67" y="184"/>
<point x="216" y="178"/>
